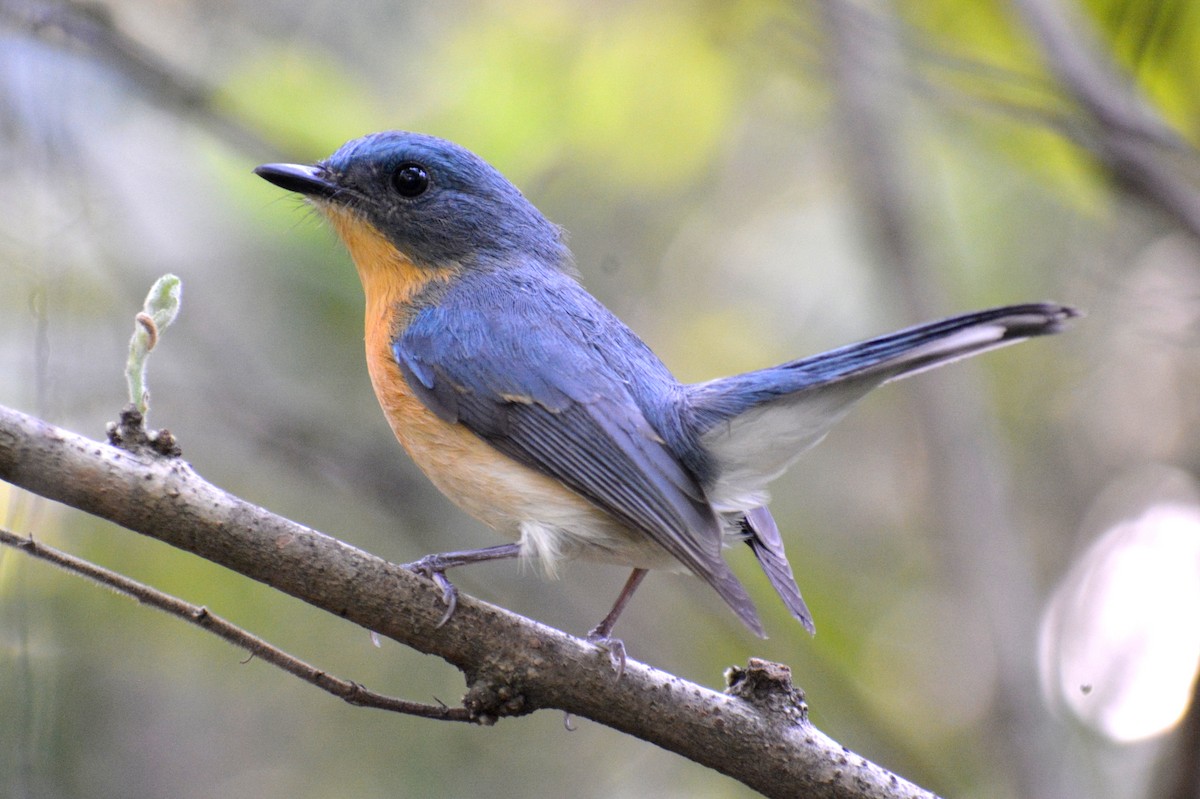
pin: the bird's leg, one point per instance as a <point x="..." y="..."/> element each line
<point x="434" y="567"/>
<point x="601" y="633"/>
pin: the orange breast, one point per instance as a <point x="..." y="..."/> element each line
<point x="453" y="457"/>
<point x="464" y="467"/>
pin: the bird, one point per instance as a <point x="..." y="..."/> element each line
<point x="532" y="407"/>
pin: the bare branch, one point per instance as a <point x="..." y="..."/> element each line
<point x="758" y="732"/>
<point x="90" y="29"/>
<point x="1130" y="137"/>
<point x="1087" y="99"/>
<point x="200" y="616"/>
<point x="1072" y="50"/>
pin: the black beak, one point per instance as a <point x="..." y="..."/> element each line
<point x="307" y="180"/>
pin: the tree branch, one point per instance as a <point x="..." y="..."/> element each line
<point x="200" y="616"/>
<point x="756" y="732"/>
<point x="89" y="28"/>
<point x="1131" y="138"/>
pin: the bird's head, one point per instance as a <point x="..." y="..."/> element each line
<point x="437" y="204"/>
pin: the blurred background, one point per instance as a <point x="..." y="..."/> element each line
<point x="1003" y="557"/>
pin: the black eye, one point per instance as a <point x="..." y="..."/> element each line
<point x="410" y="179"/>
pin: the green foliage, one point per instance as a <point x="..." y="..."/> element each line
<point x="310" y="101"/>
<point x="1156" y="44"/>
<point x="641" y="95"/>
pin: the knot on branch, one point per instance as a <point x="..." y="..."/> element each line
<point x="130" y="434"/>
<point x="489" y="699"/>
<point x="768" y="686"/>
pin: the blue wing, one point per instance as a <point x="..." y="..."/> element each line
<point x="532" y="364"/>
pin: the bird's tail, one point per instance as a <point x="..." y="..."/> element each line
<point x="762" y="534"/>
<point x="915" y="349"/>
<point x="754" y="425"/>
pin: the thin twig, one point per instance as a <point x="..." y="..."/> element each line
<point x="90" y="29"/>
<point x="1136" y="144"/>
<point x="1091" y="102"/>
<point x="351" y="692"/>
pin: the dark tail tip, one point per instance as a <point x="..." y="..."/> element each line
<point x="1036" y="319"/>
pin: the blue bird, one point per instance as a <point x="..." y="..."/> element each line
<point x="536" y="410"/>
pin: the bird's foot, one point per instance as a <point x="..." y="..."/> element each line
<point x="434" y="568"/>
<point x="614" y="646"/>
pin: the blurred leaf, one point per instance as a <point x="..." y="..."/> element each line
<point x="650" y="98"/>
<point x="307" y="100"/>
<point x="507" y="84"/>
<point x="978" y="52"/>
<point x="642" y="96"/>
<point x="1156" y="44"/>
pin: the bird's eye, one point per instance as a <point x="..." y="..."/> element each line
<point x="410" y="179"/>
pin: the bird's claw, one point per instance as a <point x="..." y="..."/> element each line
<point x="449" y="596"/>
<point x="615" y="648"/>
<point x="432" y="568"/>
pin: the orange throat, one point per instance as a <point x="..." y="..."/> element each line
<point x="390" y="280"/>
<point x="391" y="283"/>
